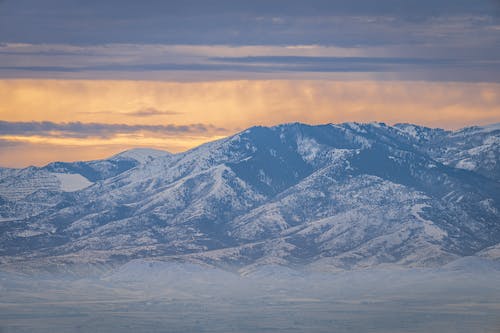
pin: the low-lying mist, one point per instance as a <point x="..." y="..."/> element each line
<point x="152" y="296"/>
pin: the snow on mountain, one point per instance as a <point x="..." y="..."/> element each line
<point x="28" y="192"/>
<point x="22" y="183"/>
<point x="71" y="182"/>
<point x="341" y="196"/>
<point x="473" y="148"/>
<point x="481" y="129"/>
<point x="492" y="252"/>
<point x="141" y="155"/>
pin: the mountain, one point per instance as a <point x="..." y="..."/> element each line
<point x="30" y="191"/>
<point x="328" y="197"/>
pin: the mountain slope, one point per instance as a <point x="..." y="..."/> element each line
<point x="30" y="191"/>
<point x="340" y="196"/>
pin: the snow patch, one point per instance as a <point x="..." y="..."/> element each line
<point x="354" y="126"/>
<point x="429" y="227"/>
<point x="466" y="164"/>
<point x="488" y="205"/>
<point x="71" y="182"/>
<point x="492" y="252"/>
<point x="264" y="178"/>
<point x="143" y="155"/>
<point x="410" y="130"/>
<point x="28" y="233"/>
<point x="308" y="148"/>
<point x="9" y="219"/>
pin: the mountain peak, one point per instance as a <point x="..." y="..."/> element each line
<point x="480" y="129"/>
<point x="142" y="155"/>
<point x="342" y="195"/>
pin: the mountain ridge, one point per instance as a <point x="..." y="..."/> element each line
<point x="339" y="195"/>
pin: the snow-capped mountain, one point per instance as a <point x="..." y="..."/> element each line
<point x="30" y="191"/>
<point x="329" y="197"/>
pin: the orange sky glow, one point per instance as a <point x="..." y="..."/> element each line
<point x="225" y="107"/>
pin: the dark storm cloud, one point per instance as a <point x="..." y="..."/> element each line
<point x="496" y="6"/>
<point x="269" y="64"/>
<point x="84" y="130"/>
<point x="301" y="60"/>
<point x="81" y="39"/>
<point x="215" y="21"/>
<point x="133" y="68"/>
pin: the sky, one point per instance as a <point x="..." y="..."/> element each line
<point x="85" y="79"/>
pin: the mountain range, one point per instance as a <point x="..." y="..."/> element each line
<point x="325" y="197"/>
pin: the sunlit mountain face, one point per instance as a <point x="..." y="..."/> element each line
<point x="235" y="166"/>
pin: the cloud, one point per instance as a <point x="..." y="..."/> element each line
<point x="128" y="68"/>
<point x="281" y="67"/>
<point x="99" y="130"/>
<point x="232" y="104"/>
<point x="139" y="113"/>
<point x="10" y="144"/>
<point x="46" y="120"/>
<point x="333" y="60"/>
<point x="440" y="62"/>
<point x="340" y="64"/>
<point x="149" y="112"/>
<point x="327" y="22"/>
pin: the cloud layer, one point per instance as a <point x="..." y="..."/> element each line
<point x="213" y="62"/>
<point x="326" y="22"/>
<point x="98" y="130"/>
<point x="444" y="40"/>
<point x="110" y="116"/>
<point x="234" y="64"/>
